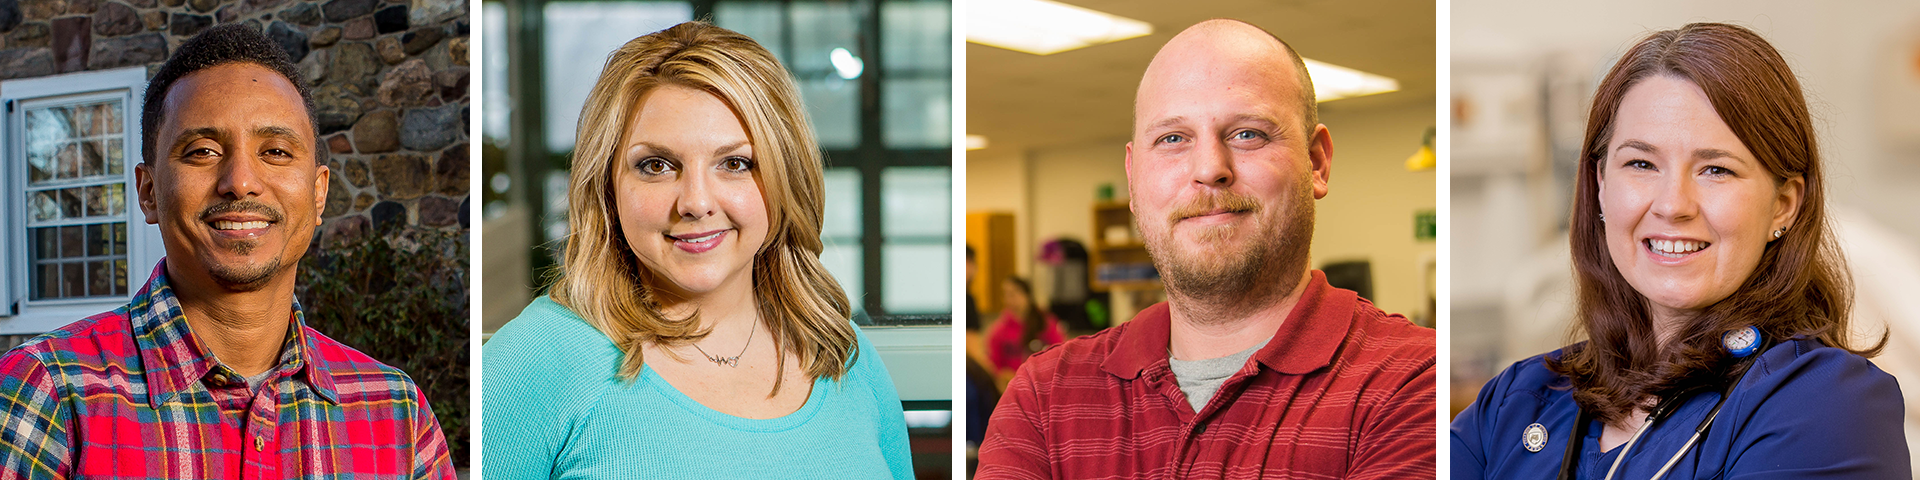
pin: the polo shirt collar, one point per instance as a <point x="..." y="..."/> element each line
<point x="1306" y="341"/>
<point x="174" y="360"/>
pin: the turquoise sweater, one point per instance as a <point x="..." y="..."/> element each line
<point x="553" y="407"/>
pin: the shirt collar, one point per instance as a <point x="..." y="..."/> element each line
<point x="174" y="360"/>
<point x="1306" y="341"/>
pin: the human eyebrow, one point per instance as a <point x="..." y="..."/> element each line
<point x="729" y="147"/>
<point x="1262" y="120"/>
<point x="654" y="149"/>
<point x="1167" y="122"/>
<point x="191" y="134"/>
<point x="273" y="131"/>
<point x="1714" y="153"/>
<point x="1637" y="145"/>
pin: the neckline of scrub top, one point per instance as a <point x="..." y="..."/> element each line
<point x="776" y="424"/>
<point x="1669" y="435"/>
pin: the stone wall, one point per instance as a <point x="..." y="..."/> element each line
<point x="389" y="80"/>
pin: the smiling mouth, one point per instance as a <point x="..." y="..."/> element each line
<point x="231" y="225"/>
<point x="697" y="237"/>
<point x="1674" y="248"/>
<point x="1221" y="211"/>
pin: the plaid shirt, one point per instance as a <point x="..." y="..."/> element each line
<point x="132" y="394"/>
<point x="1342" y="391"/>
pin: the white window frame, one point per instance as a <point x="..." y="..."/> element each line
<point x="18" y="315"/>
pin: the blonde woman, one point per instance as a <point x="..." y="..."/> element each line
<point x="693" y="332"/>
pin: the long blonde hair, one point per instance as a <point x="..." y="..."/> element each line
<point x="602" y="281"/>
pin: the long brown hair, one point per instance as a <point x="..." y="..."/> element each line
<point x="1800" y="286"/>
<point x="602" y="281"/>
<point x="1033" y="320"/>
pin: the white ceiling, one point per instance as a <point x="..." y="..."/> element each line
<point x="1022" y="101"/>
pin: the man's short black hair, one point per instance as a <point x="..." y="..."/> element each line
<point x="230" y="43"/>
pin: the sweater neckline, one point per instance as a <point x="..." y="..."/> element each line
<point x="786" y="422"/>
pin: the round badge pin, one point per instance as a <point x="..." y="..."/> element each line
<point x="1535" y="438"/>
<point x="1742" y="342"/>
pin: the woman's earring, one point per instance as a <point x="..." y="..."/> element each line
<point x="1778" y="233"/>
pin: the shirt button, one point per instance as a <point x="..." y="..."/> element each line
<point x="259" y="443"/>
<point x="1199" y="429"/>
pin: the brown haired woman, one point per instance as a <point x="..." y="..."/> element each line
<point x="1022" y="329"/>
<point x="1711" y="295"/>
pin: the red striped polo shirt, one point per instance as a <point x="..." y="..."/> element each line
<point x="1342" y="391"/>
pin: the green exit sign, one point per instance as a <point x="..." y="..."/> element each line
<point x="1424" y="226"/>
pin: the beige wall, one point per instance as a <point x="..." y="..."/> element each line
<point x="1368" y="212"/>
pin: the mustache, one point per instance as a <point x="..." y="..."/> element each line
<point x="1205" y="204"/>
<point x="243" y="206"/>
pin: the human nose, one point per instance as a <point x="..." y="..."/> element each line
<point x="1678" y="200"/>
<point x="1212" y="165"/>
<point x="239" y="176"/>
<point x="696" y="196"/>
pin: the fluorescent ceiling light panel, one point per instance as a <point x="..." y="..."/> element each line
<point x="1333" y="82"/>
<point x="976" y="142"/>
<point x="1043" y="27"/>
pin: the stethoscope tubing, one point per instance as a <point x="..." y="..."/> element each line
<point x="1567" y="470"/>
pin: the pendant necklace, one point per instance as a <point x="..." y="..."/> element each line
<point x="733" y="361"/>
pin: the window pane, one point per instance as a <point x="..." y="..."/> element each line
<point x="834" y="105"/>
<point x="495" y="122"/>
<point x="842" y="217"/>
<point x="917" y="201"/>
<point x="842" y="259"/>
<point x="916" y="36"/>
<point x="918" y="277"/>
<point x="918" y="112"/>
<point x="760" y="20"/>
<point x="820" y="28"/>
<point x="579" y="36"/>
<point x="75" y="198"/>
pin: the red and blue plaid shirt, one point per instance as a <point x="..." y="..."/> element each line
<point x="133" y="394"/>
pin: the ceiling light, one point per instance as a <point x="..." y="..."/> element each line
<point x="1043" y="27"/>
<point x="1333" y="82"/>
<point x="976" y="142"/>
<point x="845" y="64"/>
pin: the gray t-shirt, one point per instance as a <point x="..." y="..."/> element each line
<point x="1199" y="379"/>
<point x="253" y="382"/>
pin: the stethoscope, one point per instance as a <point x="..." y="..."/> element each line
<point x="1741" y="343"/>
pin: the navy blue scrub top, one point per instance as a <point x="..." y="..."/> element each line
<point x="1802" y="411"/>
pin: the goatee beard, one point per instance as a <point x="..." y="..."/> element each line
<point x="1265" y="268"/>
<point x="245" y="278"/>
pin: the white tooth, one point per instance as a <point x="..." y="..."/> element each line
<point x="1693" y="246"/>
<point x="230" y="225"/>
<point x="1663" y="245"/>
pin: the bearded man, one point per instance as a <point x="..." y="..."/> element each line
<point x="1254" y="367"/>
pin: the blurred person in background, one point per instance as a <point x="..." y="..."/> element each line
<point x="1712" y="300"/>
<point x="1022" y="330"/>
<point x="693" y="332"/>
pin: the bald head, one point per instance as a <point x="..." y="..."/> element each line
<point x="1225" y="56"/>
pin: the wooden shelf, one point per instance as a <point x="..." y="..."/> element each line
<point x="1135" y="285"/>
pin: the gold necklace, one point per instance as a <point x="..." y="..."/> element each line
<point x="733" y="361"/>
